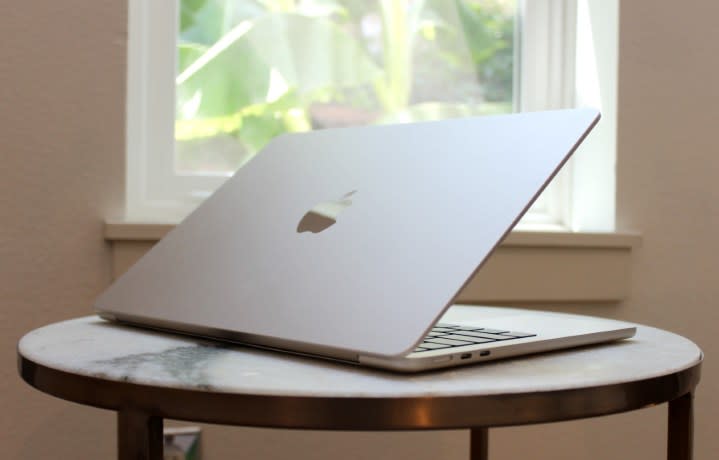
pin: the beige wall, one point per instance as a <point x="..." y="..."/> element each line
<point x="61" y="166"/>
<point x="668" y="173"/>
<point x="61" y="146"/>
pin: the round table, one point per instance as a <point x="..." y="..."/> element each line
<point x="147" y="376"/>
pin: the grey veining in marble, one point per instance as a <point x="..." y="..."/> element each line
<point x="93" y="347"/>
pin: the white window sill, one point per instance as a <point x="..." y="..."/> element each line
<point x="528" y="267"/>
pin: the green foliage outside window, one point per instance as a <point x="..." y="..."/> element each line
<point x="249" y="70"/>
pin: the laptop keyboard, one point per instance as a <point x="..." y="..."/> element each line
<point x="450" y="336"/>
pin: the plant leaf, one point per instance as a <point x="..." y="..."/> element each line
<point x="308" y="53"/>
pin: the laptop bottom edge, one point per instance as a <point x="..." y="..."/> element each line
<point x="478" y="353"/>
<point x="226" y="336"/>
<point x="411" y="363"/>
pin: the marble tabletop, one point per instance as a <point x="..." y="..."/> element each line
<point x="93" y="347"/>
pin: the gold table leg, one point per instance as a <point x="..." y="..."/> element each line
<point x="680" y="439"/>
<point x="139" y="436"/>
<point x="478" y="444"/>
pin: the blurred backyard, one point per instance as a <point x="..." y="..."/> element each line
<point x="249" y="70"/>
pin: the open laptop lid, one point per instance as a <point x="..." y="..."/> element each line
<point x="419" y="209"/>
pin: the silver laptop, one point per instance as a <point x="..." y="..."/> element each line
<point x="351" y="244"/>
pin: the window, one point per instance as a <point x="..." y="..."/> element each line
<point x="211" y="81"/>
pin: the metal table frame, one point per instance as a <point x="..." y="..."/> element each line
<point x="142" y="408"/>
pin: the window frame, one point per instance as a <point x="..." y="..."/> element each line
<point x="546" y="50"/>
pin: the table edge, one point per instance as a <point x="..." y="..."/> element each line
<point x="358" y="413"/>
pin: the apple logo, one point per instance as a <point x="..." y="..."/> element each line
<point x="324" y="215"/>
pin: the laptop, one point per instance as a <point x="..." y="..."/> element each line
<point x="351" y="244"/>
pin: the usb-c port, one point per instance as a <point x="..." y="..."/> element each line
<point x="465" y="356"/>
<point x="484" y="353"/>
